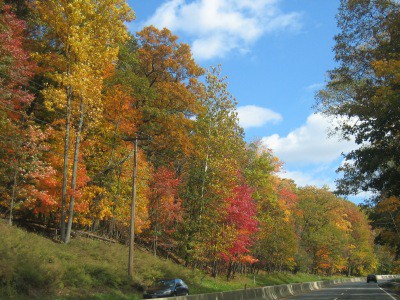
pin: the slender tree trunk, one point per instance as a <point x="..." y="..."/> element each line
<point x="156" y="228"/>
<point x="112" y="227"/>
<point x="203" y="184"/>
<point x="155" y="241"/>
<point x="188" y="248"/>
<point x="74" y="173"/>
<point x="14" y="189"/>
<point x="111" y="159"/>
<point x="229" y="271"/>
<point x="132" y="224"/>
<point x="65" y="167"/>
<point x="214" y="269"/>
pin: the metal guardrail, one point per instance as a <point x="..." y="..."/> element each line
<point x="276" y="291"/>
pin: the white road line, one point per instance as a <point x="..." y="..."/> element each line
<point x="388" y="294"/>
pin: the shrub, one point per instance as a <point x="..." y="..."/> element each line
<point x="103" y="276"/>
<point x="76" y="276"/>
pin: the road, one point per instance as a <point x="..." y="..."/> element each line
<point x="349" y="291"/>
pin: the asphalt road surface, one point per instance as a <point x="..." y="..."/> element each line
<point x="349" y="291"/>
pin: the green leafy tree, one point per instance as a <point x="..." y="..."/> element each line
<point x="321" y="230"/>
<point x="260" y="170"/>
<point x="212" y="170"/>
<point x="363" y="92"/>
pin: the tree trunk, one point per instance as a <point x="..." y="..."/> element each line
<point x="14" y="189"/>
<point x="112" y="227"/>
<point x="111" y="159"/>
<point x="214" y="271"/>
<point x="229" y="271"/>
<point x="203" y="184"/>
<point x="156" y="228"/>
<point x="74" y="173"/>
<point x="132" y="224"/>
<point x="65" y="167"/>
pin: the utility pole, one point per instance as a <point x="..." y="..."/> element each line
<point x="132" y="221"/>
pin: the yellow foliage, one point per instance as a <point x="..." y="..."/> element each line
<point x="88" y="34"/>
<point x="387" y="68"/>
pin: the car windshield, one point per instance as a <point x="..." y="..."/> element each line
<point x="165" y="283"/>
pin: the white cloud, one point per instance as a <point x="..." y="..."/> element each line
<point x="309" y="143"/>
<point x="320" y="178"/>
<point x="315" y="87"/>
<point x="220" y="26"/>
<point x="311" y="157"/>
<point x="304" y="178"/>
<point x="255" y="116"/>
<point x="209" y="46"/>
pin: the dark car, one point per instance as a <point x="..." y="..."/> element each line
<point x="167" y="288"/>
<point x="372" y="277"/>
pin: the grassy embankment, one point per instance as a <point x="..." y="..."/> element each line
<point x="32" y="266"/>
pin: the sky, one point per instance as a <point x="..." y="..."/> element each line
<point x="275" y="54"/>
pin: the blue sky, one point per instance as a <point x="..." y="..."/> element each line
<point x="276" y="54"/>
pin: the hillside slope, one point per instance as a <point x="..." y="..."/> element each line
<point x="32" y="266"/>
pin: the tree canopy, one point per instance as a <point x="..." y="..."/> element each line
<point x="363" y="92"/>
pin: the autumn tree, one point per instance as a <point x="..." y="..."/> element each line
<point x="386" y="219"/>
<point x="21" y="159"/>
<point x="335" y="236"/>
<point x="239" y="227"/>
<point x="172" y="74"/>
<point x="109" y="150"/>
<point x="212" y="169"/>
<point x="281" y="244"/>
<point x="360" y="254"/>
<point x="272" y="249"/>
<point x="322" y="239"/>
<point x="165" y="209"/>
<point x="85" y="39"/>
